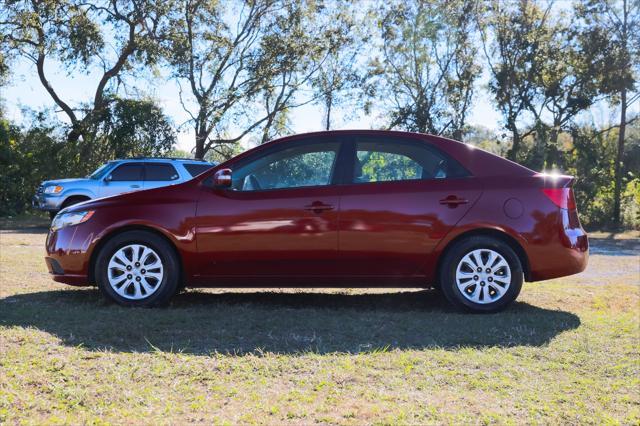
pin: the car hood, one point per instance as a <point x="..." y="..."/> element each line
<point x="73" y="181"/>
<point x="165" y="193"/>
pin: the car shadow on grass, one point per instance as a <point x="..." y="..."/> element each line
<point x="289" y="323"/>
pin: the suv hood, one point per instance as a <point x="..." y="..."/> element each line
<point x="83" y="181"/>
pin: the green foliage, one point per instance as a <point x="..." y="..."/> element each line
<point x="27" y="158"/>
<point x="631" y="203"/>
<point x="132" y="128"/>
<point x="591" y="158"/>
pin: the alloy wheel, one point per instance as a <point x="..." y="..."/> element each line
<point x="135" y="271"/>
<point x="483" y="276"/>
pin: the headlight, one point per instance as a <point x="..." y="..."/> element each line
<point x="69" y="219"/>
<point x="54" y="189"/>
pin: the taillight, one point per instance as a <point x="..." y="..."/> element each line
<point x="561" y="197"/>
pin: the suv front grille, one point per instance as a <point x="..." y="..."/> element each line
<point x="40" y="190"/>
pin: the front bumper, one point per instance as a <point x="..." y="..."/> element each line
<point x="46" y="202"/>
<point x="68" y="254"/>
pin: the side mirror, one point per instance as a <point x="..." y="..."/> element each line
<point x="107" y="178"/>
<point x="222" y="178"/>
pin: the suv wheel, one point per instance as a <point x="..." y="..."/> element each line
<point x="138" y="268"/>
<point x="481" y="274"/>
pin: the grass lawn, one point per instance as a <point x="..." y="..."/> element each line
<point x="567" y="352"/>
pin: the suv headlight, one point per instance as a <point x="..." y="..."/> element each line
<point x="62" y="220"/>
<point x="53" y="189"/>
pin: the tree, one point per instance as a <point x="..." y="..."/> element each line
<point x="299" y="44"/>
<point x="567" y="84"/>
<point x="243" y="64"/>
<point x="133" y="128"/>
<point x="220" y="64"/>
<point x="82" y="35"/>
<point x="339" y="76"/>
<point x="613" y="29"/>
<point x="514" y="39"/>
<point x="427" y="70"/>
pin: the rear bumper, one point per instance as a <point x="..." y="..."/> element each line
<point x="567" y="253"/>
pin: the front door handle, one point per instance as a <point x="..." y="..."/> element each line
<point x="135" y="186"/>
<point x="453" y="201"/>
<point x="318" y="207"/>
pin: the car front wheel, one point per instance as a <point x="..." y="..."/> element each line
<point x="481" y="274"/>
<point x="138" y="268"/>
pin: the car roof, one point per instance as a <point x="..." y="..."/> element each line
<point x="162" y="160"/>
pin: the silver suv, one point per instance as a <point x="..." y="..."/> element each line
<point x="116" y="177"/>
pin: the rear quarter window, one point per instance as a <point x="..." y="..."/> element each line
<point x="196" y="169"/>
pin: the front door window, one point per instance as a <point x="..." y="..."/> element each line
<point x="296" y="167"/>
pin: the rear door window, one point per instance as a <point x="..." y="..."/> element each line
<point x="160" y="172"/>
<point x="388" y="160"/>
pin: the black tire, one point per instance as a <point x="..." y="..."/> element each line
<point x="454" y="256"/>
<point x="164" y="289"/>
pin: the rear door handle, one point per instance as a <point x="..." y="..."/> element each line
<point x="453" y="201"/>
<point x="318" y="207"/>
<point x="135" y="186"/>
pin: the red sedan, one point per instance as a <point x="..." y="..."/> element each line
<point x="331" y="209"/>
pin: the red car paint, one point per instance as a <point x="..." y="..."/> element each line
<point x="357" y="235"/>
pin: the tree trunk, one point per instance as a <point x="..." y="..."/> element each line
<point x="457" y="135"/>
<point x="552" y="155"/>
<point x="327" y="125"/>
<point x="267" y="127"/>
<point x="200" y="152"/>
<point x="617" y="191"/>
<point x="515" y="146"/>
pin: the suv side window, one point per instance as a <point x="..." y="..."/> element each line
<point x="160" y="172"/>
<point x="127" y="172"/>
<point x="389" y="160"/>
<point x="196" y="169"/>
<point x="310" y="164"/>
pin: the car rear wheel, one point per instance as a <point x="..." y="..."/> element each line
<point x="138" y="268"/>
<point x="481" y="274"/>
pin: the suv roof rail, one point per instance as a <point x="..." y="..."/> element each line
<point x="163" y="158"/>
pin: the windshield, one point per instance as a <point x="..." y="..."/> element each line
<point x="100" y="172"/>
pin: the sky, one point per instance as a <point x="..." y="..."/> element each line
<point x="25" y="90"/>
